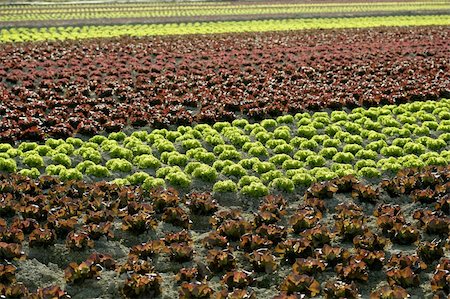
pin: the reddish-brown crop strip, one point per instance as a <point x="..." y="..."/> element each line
<point x="354" y="245"/>
<point x="63" y="88"/>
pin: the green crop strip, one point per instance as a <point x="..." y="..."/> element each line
<point x="281" y="154"/>
<point x="93" y="12"/>
<point x="63" y="33"/>
<point x="59" y="8"/>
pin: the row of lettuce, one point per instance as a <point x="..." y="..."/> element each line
<point x="24" y="34"/>
<point x="281" y="154"/>
<point x="100" y="11"/>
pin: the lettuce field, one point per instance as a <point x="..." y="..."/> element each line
<point x="264" y="149"/>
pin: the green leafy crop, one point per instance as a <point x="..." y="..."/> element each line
<point x="70" y="174"/>
<point x="205" y="173"/>
<point x="178" y="179"/>
<point x="292" y="164"/>
<point x="376" y="145"/>
<point x="117" y="136"/>
<point x="138" y="178"/>
<point x="88" y="153"/>
<point x="165" y="146"/>
<point x="54" y="143"/>
<point x="366" y="154"/>
<point x="54" y="169"/>
<point x="8" y="165"/>
<point x="174" y="158"/>
<point x="263" y="137"/>
<point x="119" y="165"/>
<point x="285" y="119"/>
<point x="392" y="151"/>
<point x="98" y="171"/>
<point x="258" y="151"/>
<point x="258" y="156"/>
<point x="32" y="173"/>
<point x="352" y="148"/>
<point x="269" y="124"/>
<point x="33" y="161"/>
<point x="414" y="148"/>
<point x="4" y="147"/>
<point x="62" y="159"/>
<point x="147" y="161"/>
<point x="283" y="149"/>
<point x="343" y="157"/>
<point x="255" y="189"/>
<point x="230" y="155"/>
<point x="247" y="180"/>
<point x="306" y="131"/>
<point x="98" y="139"/>
<point x="309" y="144"/>
<point x="152" y="183"/>
<point x="273" y="143"/>
<point x="269" y="176"/>
<point x="282" y="184"/>
<point x="369" y="172"/>
<point x="248" y="163"/>
<point x="279" y="159"/>
<point x="120" y="152"/>
<point x="82" y="166"/>
<point x="44" y="150"/>
<point x="262" y="167"/>
<point x="328" y="152"/>
<point x="235" y="170"/>
<point x="65" y="148"/>
<point x="436" y="144"/>
<point x="225" y="186"/>
<point x="302" y="155"/>
<point x="190" y="144"/>
<point x="364" y="163"/>
<point x="303" y="179"/>
<point x="27" y="146"/>
<point x="315" y="161"/>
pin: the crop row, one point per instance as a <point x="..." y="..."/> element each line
<point x="282" y="154"/>
<point x="126" y="7"/>
<point x="86" y="87"/>
<point x="24" y="34"/>
<point x="192" y="4"/>
<point x="324" y="244"/>
<point x="63" y="13"/>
